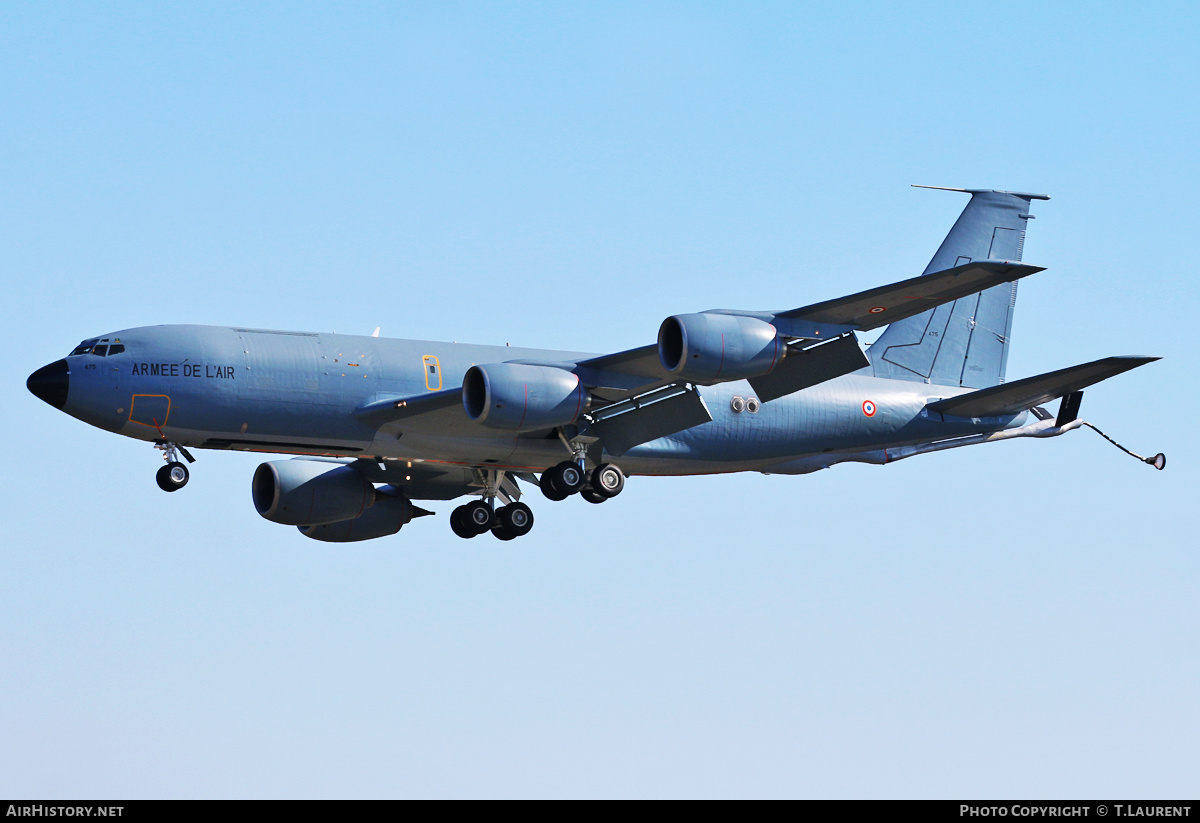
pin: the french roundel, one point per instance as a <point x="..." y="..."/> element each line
<point x="869" y="408"/>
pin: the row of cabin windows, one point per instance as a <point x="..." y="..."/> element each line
<point x="99" y="347"/>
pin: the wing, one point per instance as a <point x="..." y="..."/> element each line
<point x="873" y="308"/>
<point x="393" y="409"/>
<point x="626" y="373"/>
<point x="637" y="395"/>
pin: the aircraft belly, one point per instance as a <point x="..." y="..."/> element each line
<point x="457" y="450"/>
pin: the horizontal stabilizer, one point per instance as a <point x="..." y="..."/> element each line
<point x="1010" y="398"/>
<point x="886" y="304"/>
<point x="803" y="368"/>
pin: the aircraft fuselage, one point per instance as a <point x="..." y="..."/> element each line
<point x="296" y="392"/>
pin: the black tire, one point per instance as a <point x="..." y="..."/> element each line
<point x="516" y="518"/>
<point x="478" y="516"/>
<point x="459" y="524"/>
<point x="608" y="480"/>
<point x="501" y="533"/>
<point x="591" y="495"/>
<point x="546" y="482"/>
<point x="172" y="477"/>
<point x="567" y="477"/>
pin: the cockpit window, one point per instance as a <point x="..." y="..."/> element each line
<point x="99" y="347"/>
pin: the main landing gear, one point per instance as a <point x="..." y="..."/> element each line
<point x="571" y="477"/>
<point x="508" y="522"/>
<point x="505" y="523"/>
<point x="173" y="476"/>
<point x="567" y="478"/>
<point x="514" y="519"/>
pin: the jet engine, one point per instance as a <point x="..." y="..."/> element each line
<point x="310" y="492"/>
<point x="715" y="348"/>
<point x="391" y="511"/>
<point x="518" y="397"/>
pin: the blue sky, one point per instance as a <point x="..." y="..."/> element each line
<point x="1017" y="619"/>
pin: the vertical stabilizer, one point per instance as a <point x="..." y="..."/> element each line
<point x="964" y="343"/>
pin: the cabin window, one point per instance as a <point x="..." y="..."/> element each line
<point x="116" y="348"/>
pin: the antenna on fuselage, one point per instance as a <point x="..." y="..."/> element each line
<point x="376" y="332"/>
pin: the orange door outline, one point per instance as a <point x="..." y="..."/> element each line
<point x="433" y="372"/>
<point x="160" y="423"/>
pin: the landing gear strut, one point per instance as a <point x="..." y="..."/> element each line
<point x="173" y="476"/>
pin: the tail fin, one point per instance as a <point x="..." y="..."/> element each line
<point x="964" y="343"/>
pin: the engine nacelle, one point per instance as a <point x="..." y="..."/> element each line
<point x="517" y="397"/>
<point x="384" y="518"/>
<point x="310" y="492"/>
<point x="715" y="348"/>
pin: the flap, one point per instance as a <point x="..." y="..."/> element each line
<point x="642" y="423"/>
<point x="802" y="368"/>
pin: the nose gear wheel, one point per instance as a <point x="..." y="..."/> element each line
<point x="172" y="477"/>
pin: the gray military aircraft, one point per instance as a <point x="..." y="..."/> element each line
<point x="380" y="423"/>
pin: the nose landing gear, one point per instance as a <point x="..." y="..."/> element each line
<point x="173" y="476"/>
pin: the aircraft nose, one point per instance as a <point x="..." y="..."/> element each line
<point x="50" y="383"/>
